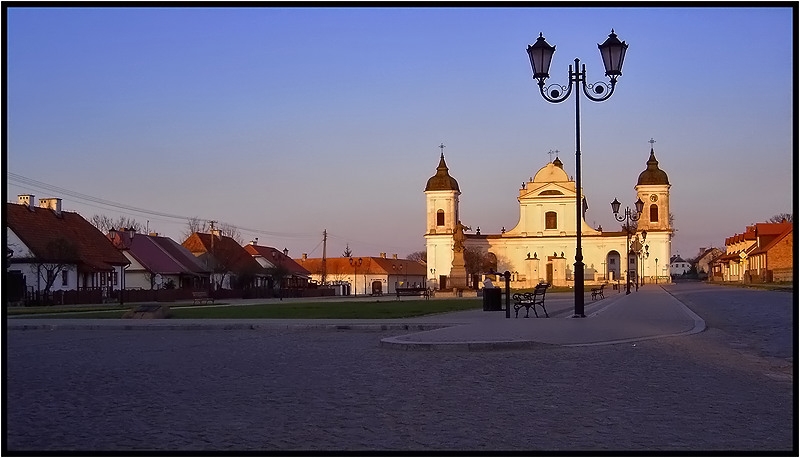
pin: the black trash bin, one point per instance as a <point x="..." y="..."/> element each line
<point x="492" y="299"/>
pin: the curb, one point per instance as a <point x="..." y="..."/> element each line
<point x="395" y="344"/>
<point x="223" y="327"/>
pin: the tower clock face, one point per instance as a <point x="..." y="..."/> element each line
<point x="653" y="198"/>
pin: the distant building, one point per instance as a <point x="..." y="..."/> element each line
<point x="296" y="276"/>
<point x="762" y="253"/>
<point x="704" y="259"/>
<point x="368" y="274"/>
<point x="679" y="266"/>
<point x="231" y="265"/>
<point x="158" y="261"/>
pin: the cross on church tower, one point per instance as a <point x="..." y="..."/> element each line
<point x="651" y="141"/>
<point x="551" y="152"/>
<point x="441" y="147"/>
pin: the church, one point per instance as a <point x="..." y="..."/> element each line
<point x="541" y="247"/>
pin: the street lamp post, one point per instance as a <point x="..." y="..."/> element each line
<point x="627" y="219"/>
<point x="656" y="271"/>
<point x="279" y="264"/>
<point x="645" y="254"/>
<point x="355" y="263"/>
<point x="541" y="54"/>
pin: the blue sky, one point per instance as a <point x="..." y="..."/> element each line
<point x="288" y="121"/>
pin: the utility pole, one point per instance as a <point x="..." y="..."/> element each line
<point x="324" y="254"/>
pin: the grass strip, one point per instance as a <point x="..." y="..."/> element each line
<point x="302" y="310"/>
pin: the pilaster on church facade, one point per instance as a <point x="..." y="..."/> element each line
<point x="542" y="245"/>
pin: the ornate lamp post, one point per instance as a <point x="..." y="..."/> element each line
<point x="541" y="54"/>
<point x="627" y="219"/>
<point x="355" y="263"/>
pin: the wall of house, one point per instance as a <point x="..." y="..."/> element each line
<point x="780" y="256"/>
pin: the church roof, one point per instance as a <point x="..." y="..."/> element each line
<point x="652" y="174"/>
<point x="442" y="181"/>
<point x="550" y="173"/>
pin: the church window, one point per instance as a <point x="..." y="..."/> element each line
<point x="550" y="220"/>
<point x="551" y="192"/>
<point x="440" y="218"/>
<point x="654" y="213"/>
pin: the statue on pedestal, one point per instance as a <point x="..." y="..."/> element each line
<point x="458" y="273"/>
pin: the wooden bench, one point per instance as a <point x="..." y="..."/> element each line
<point x="531" y="300"/>
<point x="420" y="291"/>
<point x="201" y="297"/>
<point x="598" y="292"/>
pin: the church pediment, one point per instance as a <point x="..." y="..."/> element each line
<point x="546" y="191"/>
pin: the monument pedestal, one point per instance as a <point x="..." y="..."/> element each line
<point x="458" y="273"/>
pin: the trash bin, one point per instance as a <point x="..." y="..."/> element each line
<point x="491" y="299"/>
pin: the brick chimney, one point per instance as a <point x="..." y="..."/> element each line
<point x="305" y="256"/>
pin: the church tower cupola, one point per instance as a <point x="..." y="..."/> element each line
<point x="653" y="175"/>
<point x="442" y="181"/>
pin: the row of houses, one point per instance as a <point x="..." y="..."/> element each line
<point x="63" y="257"/>
<point x="763" y="253"/>
<point x="56" y="256"/>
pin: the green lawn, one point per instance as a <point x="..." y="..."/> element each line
<point x="309" y="310"/>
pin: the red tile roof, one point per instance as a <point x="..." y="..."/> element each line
<point x="38" y="226"/>
<point x="369" y="266"/>
<point x="274" y="256"/>
<point x="226" y="251"/>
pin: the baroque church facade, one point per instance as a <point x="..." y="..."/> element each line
<point x="541" y="247"/>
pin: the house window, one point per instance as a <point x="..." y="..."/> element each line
<point x="440" y="218"/>
<point x="654" y="213"/>
<point x="64" y="278"/>
<point x="550" y="220"/>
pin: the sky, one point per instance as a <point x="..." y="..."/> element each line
<point x="287" y="122"/>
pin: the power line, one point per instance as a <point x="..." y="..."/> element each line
<point x="35" y="186"/>
<point x="29" y="183"/>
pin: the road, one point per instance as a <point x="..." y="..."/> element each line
<point x="729" y="388"/>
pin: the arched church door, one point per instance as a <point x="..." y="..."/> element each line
<point x="613" y="265"/>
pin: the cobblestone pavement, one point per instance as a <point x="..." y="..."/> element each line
<point x="725" y="389"/>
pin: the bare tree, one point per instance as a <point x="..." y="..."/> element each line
<point x="104" y="224"/>
<point x="60" y="255"/>
<point x="193" y="225"/>
<point x="419" y="256"/>
<point x="229" y="230"/>
<point x="780" y="217"/>
<point x="477" y="261"/>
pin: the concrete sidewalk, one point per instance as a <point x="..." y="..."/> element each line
<point x="648" y="313"/>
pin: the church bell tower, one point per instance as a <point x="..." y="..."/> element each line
<point x="653" y="188"/>
<point x="441" y="201"/>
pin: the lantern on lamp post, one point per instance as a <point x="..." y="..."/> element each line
<point x="540" y="54"/>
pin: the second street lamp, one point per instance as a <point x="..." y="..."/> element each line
<point x="355" y="263"/>
<point x="541" y="54"/>
<point x="628" y="218"/>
